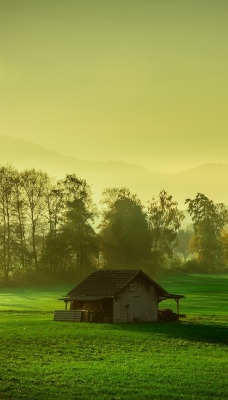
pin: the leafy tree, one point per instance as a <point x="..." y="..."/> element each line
<point x="14" y="253"/>
<point x="164" y="220"/>
<point x="7" y="219"/>
<point x="124" y="233"/>
<point x="224" y="239"/>
<point x="184" y="241"/>
<point x="53" y="246"/>
<point x="22" y="255"/>
<point x="209" y="220"/>
<point x="47" y="223"/>
<point x="34" y="183"/>
<point x="76" y="231"/>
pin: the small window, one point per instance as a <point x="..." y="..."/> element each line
<point x="132" y="287"/>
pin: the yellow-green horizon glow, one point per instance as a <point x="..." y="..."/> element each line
<point x="136" y="81"/>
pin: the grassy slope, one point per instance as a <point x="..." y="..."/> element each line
<point x="204" y="293"/>
<point x="32" y="299"/>
<point x="43" y="359"/>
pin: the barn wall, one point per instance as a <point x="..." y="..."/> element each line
<point x="136" y="302"/>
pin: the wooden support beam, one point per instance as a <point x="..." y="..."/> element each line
<point x="178" y="309"/>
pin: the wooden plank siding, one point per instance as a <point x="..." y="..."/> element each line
<point x="137" y="301"/>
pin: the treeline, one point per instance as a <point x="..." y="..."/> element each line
<point x="51" y="230"/>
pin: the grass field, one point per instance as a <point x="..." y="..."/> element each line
<point x="43" y="359"/>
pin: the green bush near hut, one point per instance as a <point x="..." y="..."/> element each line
<point x="43" y="359"/>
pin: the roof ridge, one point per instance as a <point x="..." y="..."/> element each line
<point x="116" y="269"/>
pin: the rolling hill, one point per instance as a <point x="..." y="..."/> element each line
<point x="209" y="179"/>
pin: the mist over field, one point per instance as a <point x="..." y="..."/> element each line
<point x="209" y="179"/>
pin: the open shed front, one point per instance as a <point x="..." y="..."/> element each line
<point x="90" y="309"/>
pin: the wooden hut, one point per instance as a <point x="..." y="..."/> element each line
<point x="115" y="296"/>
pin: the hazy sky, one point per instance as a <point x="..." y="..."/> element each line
<point x="139" y="81"/>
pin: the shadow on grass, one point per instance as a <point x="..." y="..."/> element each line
<point x="191" y="331"/>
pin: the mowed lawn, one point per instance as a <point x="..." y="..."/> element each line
<point x="43" y="359"/>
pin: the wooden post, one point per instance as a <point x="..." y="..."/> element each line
<point x="66" y="305"/>
<point x="177" y="301"/>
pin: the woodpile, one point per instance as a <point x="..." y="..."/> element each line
<point x="68" y="315"/>
<point x="166" y="315"/>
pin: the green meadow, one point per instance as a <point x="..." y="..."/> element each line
<point x="43" y="359"/>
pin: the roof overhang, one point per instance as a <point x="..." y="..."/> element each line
<point x="167" y="296"/>
<point x="175" y="296"/>
<point x="86" y="298"/>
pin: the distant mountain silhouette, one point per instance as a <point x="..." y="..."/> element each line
<point x="209" y="179"/>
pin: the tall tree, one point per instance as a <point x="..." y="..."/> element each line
<point x="224" y="238"/>
<point x="55" y="209"/>
<point x="77" y="232"/>
<point x="6" y="218"/>
<point x="184" y="240"/>
<point x="21" y="250"/>
<point x="164" y="221"/>
<point x="124" y="233"/>
<point x="34" y="184"/>
<point x="14" y="253"/>
<point x="209" y="219"/>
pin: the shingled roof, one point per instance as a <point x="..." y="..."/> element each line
<point x="107" y="283"/>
